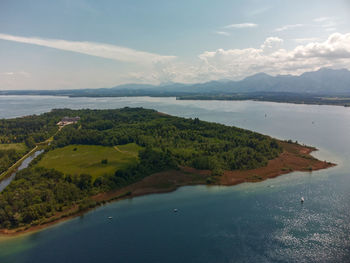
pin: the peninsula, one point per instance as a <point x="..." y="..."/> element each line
<point x="105" y="155"/>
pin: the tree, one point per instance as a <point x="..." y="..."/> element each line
<point x="30" y="142"/>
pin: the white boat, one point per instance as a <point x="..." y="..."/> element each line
<point x="110" y="217"/>
<point x="302" y="199"/>
<point x="175" y="210"/>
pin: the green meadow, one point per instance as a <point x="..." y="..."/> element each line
<point x="18" y="147"/>
<point x="88" y="159"/>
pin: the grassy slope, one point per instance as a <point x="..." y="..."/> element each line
<point x="87" y="159"/>
<point x="19" y="147"/>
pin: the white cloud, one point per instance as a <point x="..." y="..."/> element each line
<point x="322" y="19"/>
<point x="93" y="49"/>
<point x="337" y="46"/>
<point x="306" y="39"/>
<point x="17" y="73"/>
<point x="242" y="25"/>
<point x="271" y="44"/>
<point x="269" y="58"/>
<point x="328" y="23"/>
<point x="287" y="27"/>
<point x="223" y="33"/>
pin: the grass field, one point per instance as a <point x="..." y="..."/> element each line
<point x="87" y="159"/>
<point x="18" y="147"/>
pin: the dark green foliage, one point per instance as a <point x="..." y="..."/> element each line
<point x="29" y="141"/>
<point x="7" y="158"/>
<point x="38" y="193"/>
<point x="29" y="129"/>
<point x="151" y="161"/>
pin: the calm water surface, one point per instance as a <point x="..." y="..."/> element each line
<point x="260" y="222"/>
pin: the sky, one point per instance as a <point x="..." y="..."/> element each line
<point x="65" y="44"/>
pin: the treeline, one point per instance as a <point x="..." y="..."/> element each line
<point x="29" y="129"/>
<point x="8" y="157"/>
<point x="150" y="162"/>
<point x="282" y="97"/>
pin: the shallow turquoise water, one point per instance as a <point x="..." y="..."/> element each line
<point x="261" y="222"/>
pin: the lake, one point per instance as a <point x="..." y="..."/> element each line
<point x="251" y="222"/>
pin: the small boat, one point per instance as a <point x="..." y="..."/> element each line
<point x="110" y="217"/>
<point x="175" y="210"/>
<point x="302" y="199"/>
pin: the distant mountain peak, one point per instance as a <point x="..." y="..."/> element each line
<point x="258" y="76"/>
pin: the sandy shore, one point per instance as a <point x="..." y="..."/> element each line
<point x="295" y="157"/>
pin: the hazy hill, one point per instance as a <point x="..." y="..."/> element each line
<point x="322" y="82"/>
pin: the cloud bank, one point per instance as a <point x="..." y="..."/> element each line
<point x="242" y="25"/>
<point x="223" y="33"/>
<point x="93" y="49"/>
<point x="287" y="27"/>
<point x="270" y="58"/>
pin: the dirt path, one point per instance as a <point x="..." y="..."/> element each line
<point x="125" y="152"/>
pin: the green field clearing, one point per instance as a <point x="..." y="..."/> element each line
<point x="87" y="159"/>
<point x="18" y="147"/>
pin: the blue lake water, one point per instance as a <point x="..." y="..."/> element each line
<point x="252" y="222"/>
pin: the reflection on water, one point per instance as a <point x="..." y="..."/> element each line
<point x="251" y="222"/>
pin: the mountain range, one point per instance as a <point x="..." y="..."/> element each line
<point x="325" y="82"/>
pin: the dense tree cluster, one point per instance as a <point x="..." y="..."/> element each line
<point x="38" y="193"/>
<point x="8" y="157"/>
<point x="29" y="129"/>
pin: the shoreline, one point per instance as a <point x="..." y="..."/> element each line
<point x="294" y="158"/>
<point x="301" y="102"/>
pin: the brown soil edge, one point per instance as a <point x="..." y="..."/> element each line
<point x="295" y="157"/>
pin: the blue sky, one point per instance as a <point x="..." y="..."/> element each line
<point x="66" y="44"/>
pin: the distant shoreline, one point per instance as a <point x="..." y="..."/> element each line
<point x="303" y="99"/>
<point x="294" y="158"/>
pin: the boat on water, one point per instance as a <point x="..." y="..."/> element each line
<point x="302" y="199"/>
<point x="110" y="217"/>
<point x="175" y="210"/>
